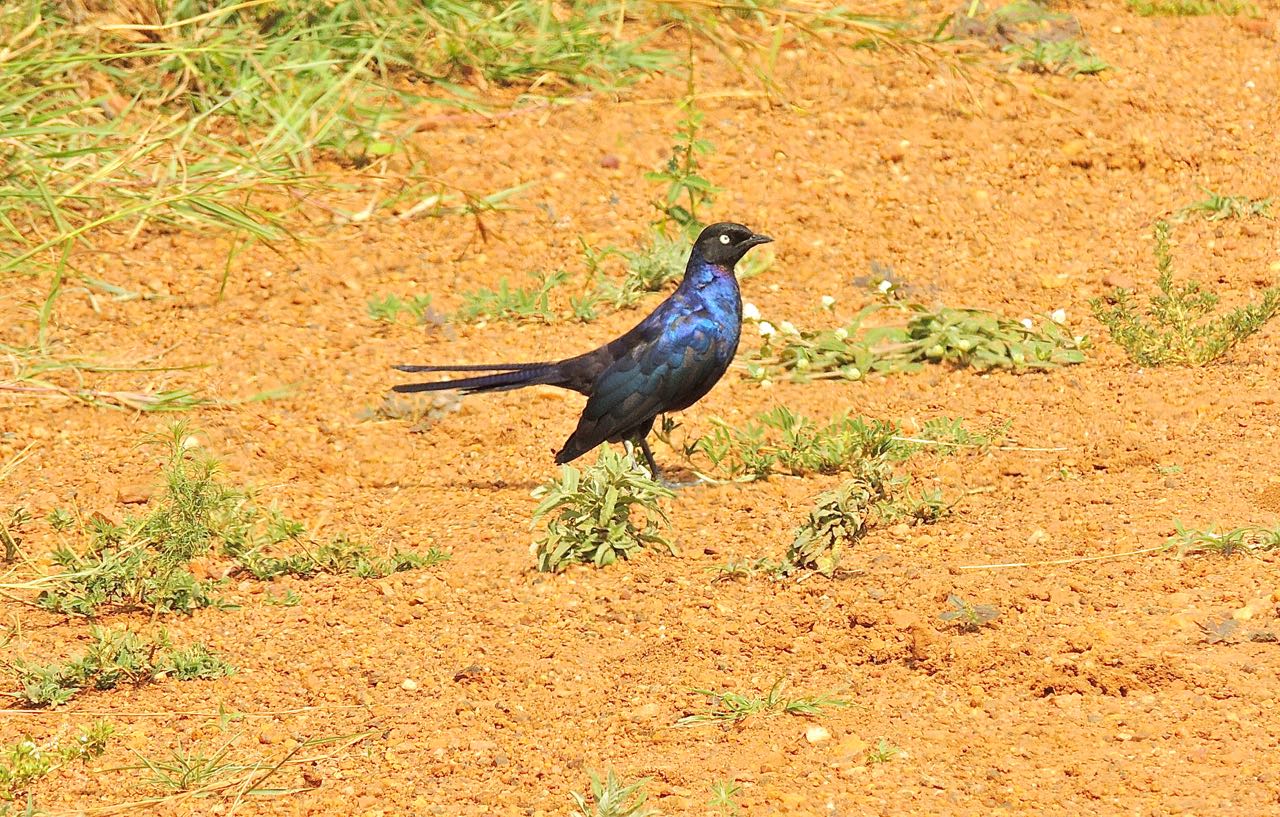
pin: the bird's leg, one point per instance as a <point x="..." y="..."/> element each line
<point x="657" y="472"/>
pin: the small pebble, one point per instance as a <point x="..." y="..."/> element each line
<point x="408" y="685"/>
<point x="817" y="734"/>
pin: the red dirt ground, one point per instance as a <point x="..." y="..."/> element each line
<point x="1094" y="690"/>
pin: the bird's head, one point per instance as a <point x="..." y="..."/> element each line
<point x="725" y="243"/>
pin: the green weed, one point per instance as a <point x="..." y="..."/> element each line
<point x="513" y="304"/>
<point x="608" y="511"/>
<point x="839" y="519"/>
<point x="337" y="557"/>
<point x="783" y="442"/>
<point x="1069" y="57"/>
<point x="189" y="769"/>
<point x="610" y="797"/>
<point x="724" y="797"/>
<point x="144" y="562"/>
<point x="26" y="761"/>
<point x="388" y="308"/>
<point x="736" y="569"/>
<point x="288" y="598"/>
<point x="1039" y="39"/>
<point x="959" y="337"/>
<point x="1216" y="207"/>
<point x="687" y="190"/>
<point x="1227" y="543"/>
<point x="1190" y="8"/>
<point x="729" y="708"/>
<point x="1177" y="327"/>
<point x="882" y="752"/>
<point x="115" y="658"/>
<point x="968" y="617"/>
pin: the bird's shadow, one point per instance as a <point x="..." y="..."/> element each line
<point x="498" y="484"/>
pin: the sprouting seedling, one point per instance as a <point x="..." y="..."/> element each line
<point x="968" y="617"/>
<point x="882" y="752"/>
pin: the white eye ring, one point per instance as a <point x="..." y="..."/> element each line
<point x="724" y="239"/>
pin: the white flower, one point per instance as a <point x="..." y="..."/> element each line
<point x="828" y="302"/>
<point x="788" y="328"/>
<point x="750" y="312"/>
<point x="1058" y="316"/>
<point x="885" y="285"/>
<point x="842" y="333"/>
<point x="766" y="329"/>
<point x="1026" y="322"/>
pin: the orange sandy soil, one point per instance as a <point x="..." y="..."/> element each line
<point x="1094" y="690"/>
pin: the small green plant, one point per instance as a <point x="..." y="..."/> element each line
<point x="1227" y="543"/>
<point x="388" y="308"/>
<point x="1216" y="207"/>
<point x="513" y="304"/>
<point x="144" y="562"/>
<point x="337" y="557"/>
<point x="1177" y="327"/>
<point x="608" y="511"/>
<point x="114" y="658"/>
<point x="189" y="769"/>
<point x="839" y="519"/>
<point x="737" y="569"/>
<point x="687" y="190"/>
<point x="968" y="617"/>
<point x="610" y="797"/>
<point x="959" y="337"/>
<point x="1190" y="8"/>
<point x="724" y="797"/>
<point x="26" y="761"/>
<point x="288" y="598"/>
<point x="882" y="752"/>
<point x="1069" y="57"/>
<point x="729" y="708"/>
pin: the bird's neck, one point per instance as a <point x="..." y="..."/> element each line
<point x="701" y="273"/>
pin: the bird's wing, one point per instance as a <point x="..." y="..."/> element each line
<point x="668" y="372"/>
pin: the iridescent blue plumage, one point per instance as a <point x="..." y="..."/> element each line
<point x="667" y="362"/>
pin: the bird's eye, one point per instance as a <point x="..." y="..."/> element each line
<point x="724" y="239"/>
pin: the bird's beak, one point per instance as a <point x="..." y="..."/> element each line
<point x="756" y="239"/>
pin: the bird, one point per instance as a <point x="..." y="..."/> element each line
<point x="665" y="363"/>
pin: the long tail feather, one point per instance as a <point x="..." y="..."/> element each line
<point x="500" y="381"/>
<point x="473" y="367"/>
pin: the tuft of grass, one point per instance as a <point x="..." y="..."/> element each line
<point x="882" y="752"/>
<point x="388" y="308"/>
<point x="610" y="797"/>
<point x="1039" y="39"/>
<point x="1226" y="543"/>
<point x="724" y="797"/>
<point x="1069" y="57"/>
<point x="1190" y="8"/>
<point x="731" y="708"/>
<point x="783" y="442"/>
<point x="960" y="337"/>
<point x="116" y="657"/>
<point x="1216" y="207"/>
<point x="337" y="557"/>
<point x="189" y="769"/>
<point x="736" y="569"/>
<point x="1178" y="326"/>
<point x="145" y="562"/>
<point x="608" y="511"/>
<point x="26" y="761"/>
<point x="513" y="304"/>
<point x="968" y="617"/>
